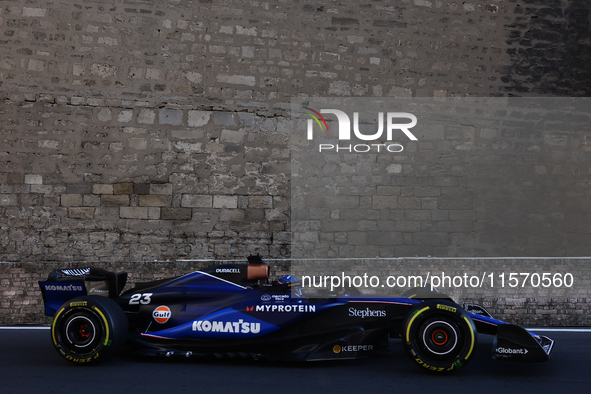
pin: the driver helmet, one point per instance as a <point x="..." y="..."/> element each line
<point x="296" y="291"/>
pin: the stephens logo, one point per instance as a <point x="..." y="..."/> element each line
<point x="363" y="313"/>
<point x="344" y="130"/>
<point x="161" y="314"/>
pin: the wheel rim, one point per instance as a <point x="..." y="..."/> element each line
<point x="440" y="338"/>
<point x="82" y="332"/>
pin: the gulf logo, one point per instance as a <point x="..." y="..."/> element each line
<point x="161" y="314"/>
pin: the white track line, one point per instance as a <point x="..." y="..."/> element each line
<point x="549" y="329"/>
<point x="25" y="328"/>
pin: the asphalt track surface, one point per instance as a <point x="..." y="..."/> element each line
<point x="29" y="364"/>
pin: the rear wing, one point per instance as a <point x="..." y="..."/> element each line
<point x="64" y="284"/>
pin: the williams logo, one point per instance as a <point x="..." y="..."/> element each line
<point x="396" y="124"/>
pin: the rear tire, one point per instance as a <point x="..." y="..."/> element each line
<point x="89" y="329"/>
<point x="439" y="336"/>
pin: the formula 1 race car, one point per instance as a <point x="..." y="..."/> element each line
<point x="235" y="310"/>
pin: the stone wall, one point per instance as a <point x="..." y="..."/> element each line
<point x="88" y="180"/>
<point x="141" y="130"/>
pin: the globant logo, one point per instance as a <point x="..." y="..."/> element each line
<point x="504" y="350"/>
<point x="345" y="131"/>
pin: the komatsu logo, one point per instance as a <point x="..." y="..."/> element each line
<point x="392" y="121"/>
<point x="63" y="288"/>
<point x="239" y="327"/>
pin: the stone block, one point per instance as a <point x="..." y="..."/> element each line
<point x="260" y="202"/>
<point x="384" y="202"/>
<point x="237" y="79"/>
<point x="196" y="201"/>
<point x="232" y="215"/>
<point x="81" y="213"/>
<point x="79" y="188"/>
<point x="161" y="189"/>
<point x="33" y="179"/>
<point x="225" y="201"/>
<point x="91" y="200"/>
<point x="42" y="189"/>
<point x="456" y="203"/>
<point x="103" y="70"/>
<point x="155" y="201"/>
<point x="154" y="213"/>
<point x="125" y="116"/>
<point x="71" y="200"/>
<point x="138" y="143"/>
<point x="232" y="136"/>
<point x="8" y="199"/>
<point x="246" y="119"/>
<point x="34" y="12"/>
<point x="198" y="118"/>
<point x="168" y="116"/>
<point x="105" y="115"/>
<point x="111" y="200"/>
<point x="224" y="118"/>
<point x="133" y="213"/>
<point x="254" y="215"/>
<point x="102" y="189"/>
<point x="14" y="178"/>
<point x="146" y="116"/>
<point x="168" y="213"/>
<point x="123" y="188"/>
<point x="141" y="188"/>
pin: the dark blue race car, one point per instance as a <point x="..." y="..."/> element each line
<point x="235" y="310"/>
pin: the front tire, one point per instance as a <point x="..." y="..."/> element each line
<point x="439" y="336"/>
<point x="89" y="329"/>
